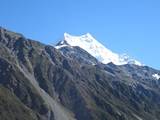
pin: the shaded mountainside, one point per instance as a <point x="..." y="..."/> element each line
<point x="39" y="82"/>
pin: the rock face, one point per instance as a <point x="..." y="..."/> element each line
<point x="39" y="82"/>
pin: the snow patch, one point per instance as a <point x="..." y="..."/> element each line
<point x="60" y="46"/>
<point x="156" y="76"/>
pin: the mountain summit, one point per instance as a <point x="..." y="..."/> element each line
<point x="88" y="43"/>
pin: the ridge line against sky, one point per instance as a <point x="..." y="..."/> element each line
<point x="125" y="26"/>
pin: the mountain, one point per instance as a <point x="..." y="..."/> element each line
<point x="96" y="49"/>
<point x="41" y="82"/>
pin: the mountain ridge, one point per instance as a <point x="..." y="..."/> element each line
<point x="36" y="75"/>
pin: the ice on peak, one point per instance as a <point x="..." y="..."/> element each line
<point x="96" y="49"/>
<point x="86" y="37"/>
<point x="66" y="35"/>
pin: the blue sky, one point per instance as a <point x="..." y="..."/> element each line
<point x="124" y="26"/>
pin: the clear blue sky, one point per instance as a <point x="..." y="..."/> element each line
<point x="124" y="26"/>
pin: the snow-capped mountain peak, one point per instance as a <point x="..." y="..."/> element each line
<point x="96" y="49"/>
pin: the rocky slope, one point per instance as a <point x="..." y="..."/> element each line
<point x="39" y="82"/>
